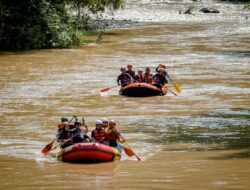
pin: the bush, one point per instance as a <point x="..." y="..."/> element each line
<point x="35" y="24"/>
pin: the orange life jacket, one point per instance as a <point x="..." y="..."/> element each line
<point x="139" y="78"/>
<point x="148" y="78"/>
<point x="63" y="124"/>
<point x="111" y="135"/>
<point x="99" y="134"/>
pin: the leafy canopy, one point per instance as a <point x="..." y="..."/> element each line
<point x="34" y="24"/>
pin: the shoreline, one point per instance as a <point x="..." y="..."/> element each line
<point x="142" y="13"/>
<point x="99" y="25"/>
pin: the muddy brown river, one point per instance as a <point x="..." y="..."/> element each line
<point x="199" y="139"/>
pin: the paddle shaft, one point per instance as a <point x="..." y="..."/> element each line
<point x="172" y="92"/>
<point x="106" y="89"/>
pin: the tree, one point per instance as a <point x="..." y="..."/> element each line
<point x="34" y="24"/>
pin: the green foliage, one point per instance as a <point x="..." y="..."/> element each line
<point x="34" y="24"/>
<point x="96" y="5"/>
<point x="247" y="6"/>
<point x="84" y="8"/>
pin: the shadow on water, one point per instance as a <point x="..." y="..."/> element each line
<point x="220" y="129"/>
<point x="239" y="54"/>
<point x="239" y="155"/>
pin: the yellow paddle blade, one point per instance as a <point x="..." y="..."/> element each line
<point x="177" y="88"/>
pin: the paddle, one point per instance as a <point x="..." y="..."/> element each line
<point x="48" y="147"/>
<point x="48" y="151"/>
<point x="127" y="149"/>
<point x="63" y="143"/>
<point x="176" y="86"/>
<point x="60" y="144"/>
<point x="172" y="92"/>
<point x="106" y="89"/>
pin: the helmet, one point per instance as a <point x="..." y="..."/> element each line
<point x="98" y="122"/>
<point x="64" y="119"/>
<point x="77" y="123"/>
<point x="129" y="65"/>
<point x="112" y="122"/>
<point x="104" y="120"/>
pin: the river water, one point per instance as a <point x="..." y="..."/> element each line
<point x="199" y="139"/>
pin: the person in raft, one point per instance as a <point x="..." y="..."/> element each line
<point x="98" y="134"/>
<point x="148" y="77"/>
<point x="70" y="134"/>
<point x="163" y="67"/>
<point x="105" y="123"/>
<point x="112" y="135"/>
<point x="64" y="122"/>
<point x="160" y="78"/>
<point x="63" y="133"/>
<point x="130" y="71"/>
<point x="78" y="134"/>
<point x="139" y="77"/>
<point x="124" y="78"/>
<point x="86" y="129"/>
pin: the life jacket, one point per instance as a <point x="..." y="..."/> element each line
<point x="139" y="78"/>
<point x="148" y="78"/>
<point x="98" y="134"/>
<point x="77" y="135"/>
<point x="131" y="73"/>
<point x="63" y="134"/>
<point x="111" y="135"/>
<point x="63" y="124"/>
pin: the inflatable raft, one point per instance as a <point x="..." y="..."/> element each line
<point x="88" y="153"/>
<point x="143" y="90"/>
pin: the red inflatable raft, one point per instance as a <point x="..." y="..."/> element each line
<point x="88" y="153"/>
<point x="142" y="90"/>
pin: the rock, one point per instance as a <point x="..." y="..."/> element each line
<point x="209" y="10"/>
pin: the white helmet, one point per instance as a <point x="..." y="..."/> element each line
<point x="104" y="120"/>
<point x="98" y="122"/>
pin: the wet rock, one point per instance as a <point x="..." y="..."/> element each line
<point x="209" y="10"/>
<point x="111" y="23"/>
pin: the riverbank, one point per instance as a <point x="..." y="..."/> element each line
<point x="143" y="12"/>
<point x="110" y="24"/>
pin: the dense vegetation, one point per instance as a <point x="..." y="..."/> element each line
<point x="33" y="24"/>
